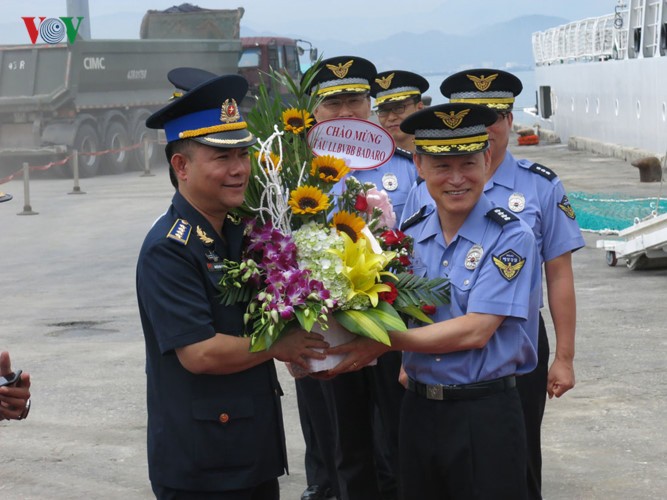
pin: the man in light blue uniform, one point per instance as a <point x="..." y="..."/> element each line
<point x="461" y="433"/>
<point x="535" y="194"/>
<point x="345" y="82"/>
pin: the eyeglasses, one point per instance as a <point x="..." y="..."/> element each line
<point x="397" y="110"/>
<point x="352" y="102"/>
<point x="502" y="115"/>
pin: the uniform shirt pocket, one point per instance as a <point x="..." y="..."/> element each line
<point x="223" y="432"/>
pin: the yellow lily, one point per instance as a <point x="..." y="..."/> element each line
<point x="364" y="268"/>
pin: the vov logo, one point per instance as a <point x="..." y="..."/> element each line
<point x="53" y="29"/>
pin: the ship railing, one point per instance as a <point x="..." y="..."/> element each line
<point x="637" y="29"/>
<point x="589" y="39"/>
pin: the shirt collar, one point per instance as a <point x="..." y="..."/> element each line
<point x="471" y="229"/>
<point x="504" y="175"/>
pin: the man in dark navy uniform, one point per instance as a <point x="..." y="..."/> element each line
<point x="214" y="417"/>
<point x="461" y="432"/>
<point x="356" y="401"/>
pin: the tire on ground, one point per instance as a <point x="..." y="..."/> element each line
<point x="140" y="133"/>
<point x="86" y="141"/>
<point x="116" y="138"/>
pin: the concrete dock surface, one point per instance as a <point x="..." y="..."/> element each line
<point x="68" y="315"/>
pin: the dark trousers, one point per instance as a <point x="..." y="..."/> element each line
<point x="268" y="490"/>
<point x="533" y="392"/>
<point x="318" y="434"/>
<point x="353" y="399"/>
<point x="463" y="449"/>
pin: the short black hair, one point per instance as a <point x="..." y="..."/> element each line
<point x="181" y="146"/>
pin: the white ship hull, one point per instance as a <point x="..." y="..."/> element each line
<point x="607" y="93"/>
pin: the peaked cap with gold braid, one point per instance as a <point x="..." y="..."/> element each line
<point x="207" y="113"/>
<point x="450" y="129"/>
<point x="493" y="88"/>
<point x="397" y="85"/>
<point x="343" y="75"/>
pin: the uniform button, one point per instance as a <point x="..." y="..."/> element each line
<point x="445" y="263"/>
<point x="466" y="282"/>
<point x="224" y="418"/>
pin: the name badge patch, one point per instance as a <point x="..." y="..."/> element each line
<point x="565" y="206"/>
<point x="509" y="264"/>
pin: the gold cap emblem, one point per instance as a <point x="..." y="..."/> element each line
<point x="340" y="70"/>
<point x="452" y="120"/>
<point x="482" y="83"/>
<point x="385" y="82"/>
<point x="229" y="111"/>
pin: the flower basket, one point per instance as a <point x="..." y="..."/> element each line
<point x="335" y="335"/>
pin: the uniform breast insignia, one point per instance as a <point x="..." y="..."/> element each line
<point x="509" y="264"/>
<point x="414" y="218"/>
<point x="501" y="216"/>
<point x="565" y="206"/>
<point x="180" y="231"/>
<point x="205" y="238"/>
<point x="234" y="219"/>
<point x="516" y="203"/>
<point x="473" y="257"/>
<point x="543" y="171"/>
<point x="390" y="182"/>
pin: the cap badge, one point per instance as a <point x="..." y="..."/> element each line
<point x="229" y="112"/>
<point x="516" y="203"/>
<point x="482" y="83"/>
<point x="452" y="120"/>
<point x="205" y="239"/>
<point x="385" y="82"/>
<point x="390" y="181"/>
<point x="474" y="256"/>
<point x="341" y="69"/>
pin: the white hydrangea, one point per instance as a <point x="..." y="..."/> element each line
<point x="313" y="242"/>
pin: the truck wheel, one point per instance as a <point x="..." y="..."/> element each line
<point x="116" y="139"/>
<point x="139" y="134"/>
<point x="611" y="258"/>
<point x="87" y="141"/>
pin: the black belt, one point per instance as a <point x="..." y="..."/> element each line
<point x="462" y="391"/>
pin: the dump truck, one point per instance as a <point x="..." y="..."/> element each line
<point x="95" y="95"/>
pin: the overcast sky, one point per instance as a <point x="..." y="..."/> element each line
<point x="353" y="20"/>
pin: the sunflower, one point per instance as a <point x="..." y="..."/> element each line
<point x="265" y="162"/>
<point x="308" y="200"/>
<point x="348" y="223"/>
<point x="297" y="120"/>
<point x="328" y="168"/>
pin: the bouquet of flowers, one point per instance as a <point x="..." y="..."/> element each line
<point x="309" y="256"/>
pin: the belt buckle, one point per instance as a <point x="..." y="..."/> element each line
<point x="434" y="392"/>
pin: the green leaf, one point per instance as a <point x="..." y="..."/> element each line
<point x="416" y="313"/>
<point x="306" y="322"/>
<point x="388" y="316"/>
<point x="363" y="324"/>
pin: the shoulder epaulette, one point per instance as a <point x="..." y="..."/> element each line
<point x="501" y="216"/>
<point x="543" y="171"/>
<point x="404" y="153"/>
<point x="419" y="180"/>
<point x="180" y="231"/>
<point x="414" y="218"/>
